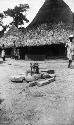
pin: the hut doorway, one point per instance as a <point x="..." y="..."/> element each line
<point x="43" y="52"/>
<point x="47" y="52"/>
<point x="8" y="52"/>
<point x="23" y="51"/>
<point x="56" y="51"/>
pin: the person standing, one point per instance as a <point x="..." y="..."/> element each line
<point x="3" y="52"/>
<point x="69" y="46"/>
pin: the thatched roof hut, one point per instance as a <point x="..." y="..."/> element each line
<point x="48" y="40"/>
<point x="12" y="36"/>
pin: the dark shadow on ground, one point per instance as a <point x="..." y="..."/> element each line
<point x="1" y="100"/>
<point x="1" y="62"/>
<point x="72" y="67"/>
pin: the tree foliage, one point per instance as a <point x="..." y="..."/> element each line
<point x="17" y="14"/>
<point x="1" y="17"/>
<point x="1" y="25"/>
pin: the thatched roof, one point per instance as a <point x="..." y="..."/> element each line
<point x="13" y="35"/>
<point x="44" y="35"/>
<point x="53" y="11"/>
<point x="14" y="31"/>
<point x="8" y="41"/>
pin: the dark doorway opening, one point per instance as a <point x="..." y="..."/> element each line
<point x="43" y="52"/>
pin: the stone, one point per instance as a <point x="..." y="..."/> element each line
<point x="45" y="81"/>
<point x="45" y="75"/>
<point x="23" y="75"/>
<point x="16" y="78"/>
<point x="29" y="78"/>
<point x="37" y="76"/>
<point x="34" y="83"/>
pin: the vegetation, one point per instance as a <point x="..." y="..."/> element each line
<point x="1" y="24"/>
<point x="17" y="14"/>
<point x="1" y="17"/>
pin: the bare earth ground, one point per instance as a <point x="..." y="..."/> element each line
<point x="52" y="104"/>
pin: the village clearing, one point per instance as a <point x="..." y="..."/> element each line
<point x="51" y="104"/>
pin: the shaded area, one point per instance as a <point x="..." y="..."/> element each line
<point x="1" y="100"/>
<point x="43" y="52"/>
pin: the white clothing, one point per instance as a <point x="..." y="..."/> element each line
<point x="3" y="53"/>
<point x="69" y="46"/>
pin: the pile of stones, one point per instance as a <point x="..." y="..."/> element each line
<point x="34" y="76"/>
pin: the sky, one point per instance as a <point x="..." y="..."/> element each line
<point x="34" y="5"/>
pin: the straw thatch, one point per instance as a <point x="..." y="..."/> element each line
<point x="47" y="35"/>
<point x="9" y="41"/>
<point x="14" y="31"/>
<point x="53" y="11"/>
<point x="12" y="36"/>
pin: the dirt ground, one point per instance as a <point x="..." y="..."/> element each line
<point x="52" y="104"/>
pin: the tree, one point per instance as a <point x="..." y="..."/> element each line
<point x="1" y="18"/>
<point x="17" y="14"/>
<point x="1" y="25"/>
